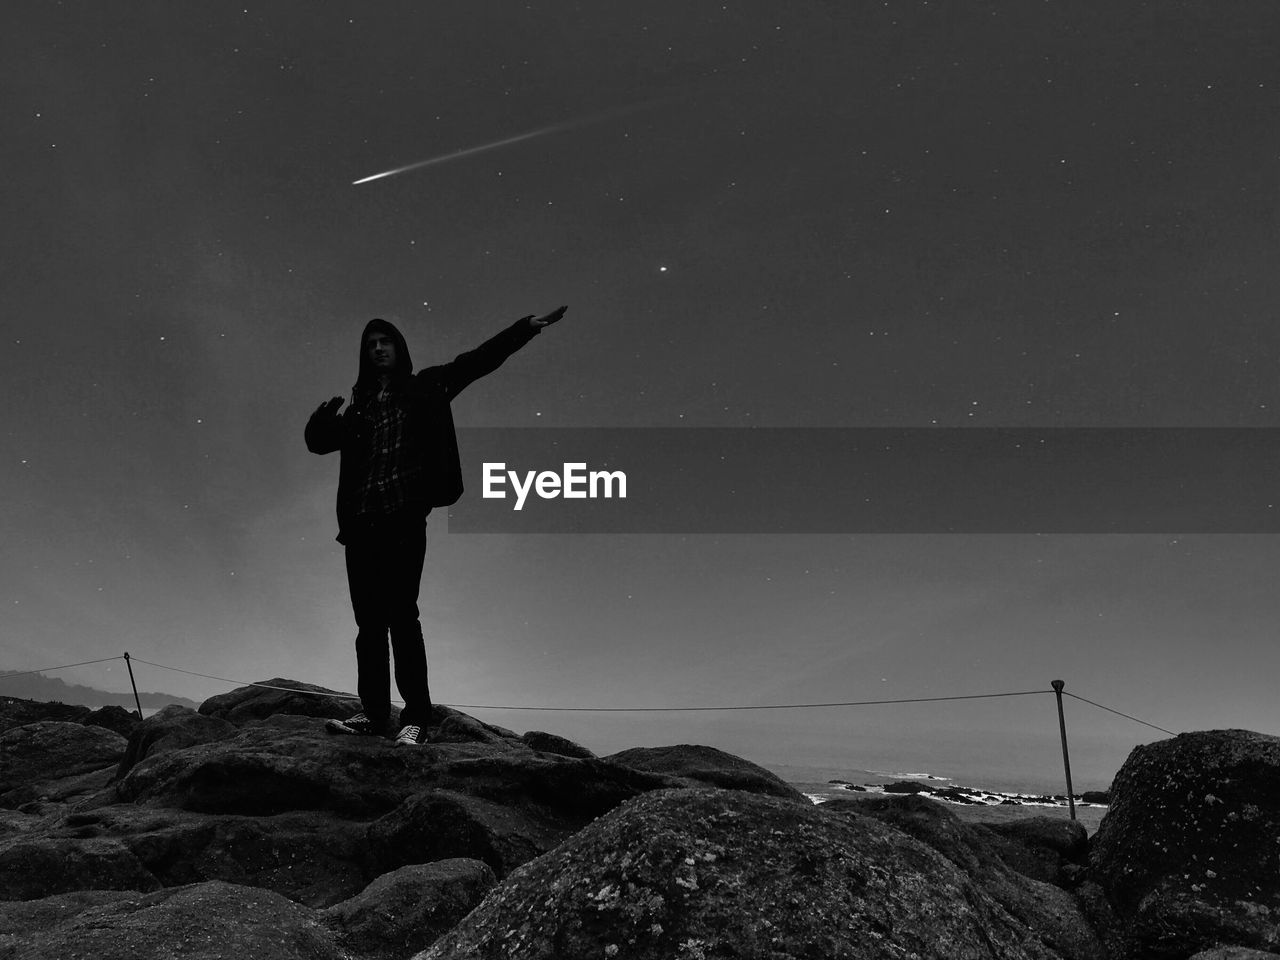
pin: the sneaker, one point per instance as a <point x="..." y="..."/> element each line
<point x="359" y="725"/>
<point x="413" y="735"/>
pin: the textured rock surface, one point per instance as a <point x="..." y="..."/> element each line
<point x="1187" y="851"/>
<point x="208" y="921"/>
<point x="409" y="908"/>
<point x="992" y="861"/>
<point x="173" y="728"/>
<point x="709" y="873"/>
<point x="32" y="867"/>
<point x="38" y="754"/>
<point x="17" y="712"/>
<point x="244" y="704"/>
<point x="550" y="743"/>
<point x="699" y="765"/>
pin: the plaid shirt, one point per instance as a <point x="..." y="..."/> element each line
<point x="389" y="474"/>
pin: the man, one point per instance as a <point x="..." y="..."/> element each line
<point x="399" y="459"/>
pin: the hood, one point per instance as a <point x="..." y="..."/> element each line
<point x="404" y="363"/>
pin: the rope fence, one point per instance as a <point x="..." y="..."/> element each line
<point x="1056" y="688"/>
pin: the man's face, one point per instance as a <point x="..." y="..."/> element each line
<point x="381" y="350"/>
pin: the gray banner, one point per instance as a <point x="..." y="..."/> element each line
<point x="869" y="480"/>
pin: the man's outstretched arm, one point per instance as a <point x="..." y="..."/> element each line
<point x="470" y="366"/>
<point x="324" y="430"/>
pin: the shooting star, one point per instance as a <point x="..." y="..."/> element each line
<point x="518" y="138"/>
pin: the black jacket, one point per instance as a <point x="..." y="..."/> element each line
<point x="429" y="393"/>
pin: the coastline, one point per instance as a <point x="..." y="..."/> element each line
<point x="1089" y="815"/>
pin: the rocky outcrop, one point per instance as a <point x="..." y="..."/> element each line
<point x="550" y="743"/>
<point x="267" y="698"/>
<point x="1187" y="852"/>
<point x="16" y="712"/>
<point x="1006" y="866"/>
<point x="115" y="718"/>
<point x="249" y="819"/>
<point x="407" y="910"/>
<point x="714" y="873"/>
<point x="38" y="756"/>
<point x="706" y="766"/>
<point x="207" y="921"/>
<point x="173" y="728"/>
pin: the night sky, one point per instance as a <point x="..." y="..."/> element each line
<point x="819" y="214"/>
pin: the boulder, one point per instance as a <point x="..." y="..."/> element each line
<point x="1101" y="797"/>
<point x="285" y="763"/>
<point x="173" y="728"/>
<point x="992" y="861"/>
<point x="115" y="718"/>
<point x="1235" y="953"/>
<point x="699" y="765"/>
<point x="17" y="712"/>
<point x="244" y="704"/>
<point x="312" y="858"/>
<point x="408" y="909"/>
<point x="207" y="921"/>
<point x="1040" y="847"/>
<point x="1187" y="851"/>
<point x="33" y="867"/>
<point x="36" y="754"/>
<point x="23" y="920"/>
<point x="722" y="873"/>
<point x="907" y="786"/>
<point x="443" y="824"/>
<point x="15" y="821"/>
<point x="550" y="743"/>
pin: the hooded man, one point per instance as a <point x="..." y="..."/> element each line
<point x="398" y="459"/>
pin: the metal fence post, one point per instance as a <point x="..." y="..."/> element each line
<point x="139" y="702"/>
<point x="1066" y="757"/>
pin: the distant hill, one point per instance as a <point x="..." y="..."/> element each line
<point x="36" y="686"/>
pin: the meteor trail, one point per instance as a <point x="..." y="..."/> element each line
<point x="542" y="131"/>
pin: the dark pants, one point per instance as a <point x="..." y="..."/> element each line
<point x="384" y="569"/>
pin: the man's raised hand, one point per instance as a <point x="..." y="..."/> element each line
<point x="548" y="319"/>
<point x="330" y="407"/>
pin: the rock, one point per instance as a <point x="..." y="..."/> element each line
<point x="115" y="718"/>
<point x="208" y="921"/>
<point x="1102" y="797"/>
<point x="992" y="861"/>
<point x="17" y="712"/>
<point x="1040" y="847"/>
<point x="1235" y="953"/>
<point x="1187" y="851"/>
<point x="243" y="704"/>
<point x="955" y="795"/>
<point x="173" y="728"/>
<point x="443" y="824"/>
<point x="312" y="858"/>
<point x="285" y="763"/>
<point x="408" y="909"/>
<point x="558" y="787"/>
<point x="722" y="873"/>
<point x="698" y="765"/>
<point x="286" y="806"/>
<point x="906" y="786"/>
<point x="459" y="728"/>
<point x="32" y="867"/>
<point x="14" y="822"/>
<point x="36" y="754"/>
<point x="550" y="743"/>
<point x="22" y="920"/>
